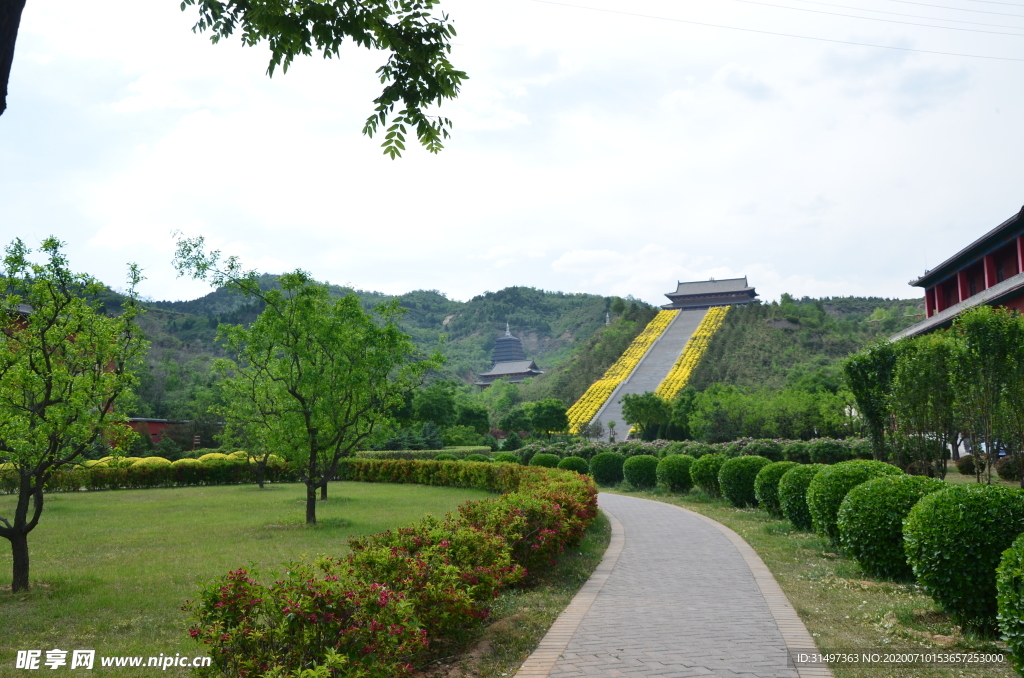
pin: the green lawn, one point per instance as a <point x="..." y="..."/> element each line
<point x="110" y="570"/>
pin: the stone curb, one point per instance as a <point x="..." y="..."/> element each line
<point x="539" y="664"/>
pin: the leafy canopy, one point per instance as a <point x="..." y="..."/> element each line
<point x="416" y="75"/>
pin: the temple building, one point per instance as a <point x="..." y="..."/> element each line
<point x="708" y="293"/>
<point x="988" y="271"/>
<point x="508" y="361"/>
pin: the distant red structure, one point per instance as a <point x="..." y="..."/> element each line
<point x="988" y="271"/>
<point x="156" y="429"/>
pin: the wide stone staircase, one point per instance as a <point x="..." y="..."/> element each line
<point x="653" y="368"/>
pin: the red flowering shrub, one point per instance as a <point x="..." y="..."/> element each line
<point x="434" y="581"/>
<point x="319" y="615"/>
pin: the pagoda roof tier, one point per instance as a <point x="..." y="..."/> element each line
<point x="514" y="367"/>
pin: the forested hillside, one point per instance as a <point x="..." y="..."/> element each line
<point x="798" y="343"/>
<point x="178" y="383"/>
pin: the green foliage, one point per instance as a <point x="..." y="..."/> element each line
<point x="1008" y="468"/>
<point x="793" y="494"/>
<point x="736" y="479"/>
<point x="828" y="451"/>
<point x="476" y="457"/>
<point x="954" y="539"/>
<point x="64" y="366"/>
<point x="968" y="466"/>
<point x="606" y="468"/>
<point x="798" y="451"/>
<point x="766" y="486"/>
<point x="578" y="464"/>
<point x="674" y="472"/>
<point x="769" y="449"/>
<point x="461" y="435"/>
<point x="646" y="411"/>
<point x="828" y="489"/>
<point x="436" y="403"/>
<point x="491" y="442"/>
<point x="445" y="456"/>
<point x="416" y="75"/>
<point x="315" y="377"/>
<point x="545" y="460"/>
<point x="640" y="471"/>
<point x="1010" y="601"/>
<point x="870" y="522"/>
<point x="517" y="419"/>
<point x="512" y="442"/>
<point x="723" y="413"/>
<point x="506" y="458"/>
<point x="548" y="415"/>
<point x="869" y="376"/>
<point x="704" y="472"/>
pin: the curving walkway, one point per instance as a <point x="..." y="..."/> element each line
<point x="676" y="595"/>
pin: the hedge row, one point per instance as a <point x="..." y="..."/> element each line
<point x="818" y="450"/>
<point x="457" y="452"/>
<point x="401" y="597"/>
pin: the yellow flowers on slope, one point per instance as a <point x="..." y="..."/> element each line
<point x="680" y="373"/>
<point x="584" y="409"/>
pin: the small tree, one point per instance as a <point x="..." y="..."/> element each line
<point x="64" y="364"/>
<point x="518" y="419"/>
<point x="869" y="376"/>
<point x="549" y="416"/>
<point x="646" y="411"/>
<point x="317" y="375"/>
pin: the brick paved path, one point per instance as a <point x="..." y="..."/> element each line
<point x="676" y="595"/>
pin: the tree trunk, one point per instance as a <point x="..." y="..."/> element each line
<point x="310" y="504"/>
<point x="260" y="468"/>
<point x="19" y="549"/>
<point x="10" y="20"/>
<point x="323" y="491"/>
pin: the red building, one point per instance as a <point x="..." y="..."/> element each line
<point x="156" y="429"/>
<point x="988" y="271"/>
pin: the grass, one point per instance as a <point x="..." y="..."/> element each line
<point x="843" y="607"/>
<point x="110" y="570"/>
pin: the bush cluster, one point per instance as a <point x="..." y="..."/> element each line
<point x="403" y="595"/>
<point x="954" y="539"/>
<point x="704" y="472"/>
<point x="457" y="452"/>
<point x="793" y="493"/>
<point x="641" y="471"/>
<point x="965" y="465"/>
<point x="545" y="460"/>
<point x="828" y="489"/>
<point x="1010" y="601"/>
<point x="870" y="522"/>
<point x="506" y="458"/>
<point x="736" y="479"/>
<point x="578" y="464"/>
<point x="766" y="486"/>
<point x="1007" y="468"/>
<point x="674" y="472"/>
<point x="606" y="468"/>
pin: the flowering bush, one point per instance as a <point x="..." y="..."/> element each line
<point x="696" y="346"/>
<point x="401" y="596"/>
<point x="584" y="409"/>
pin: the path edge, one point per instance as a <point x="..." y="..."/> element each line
<point x="794" y="632"/>
<point x="554" y="642"/>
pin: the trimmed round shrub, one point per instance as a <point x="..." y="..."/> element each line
<point x="766" y="486"/>
<point x="674" y="472"/>
<point x="544" y="459"/>
<point x="578" y="464"/>
<point x="828" y="451"/>
<point x="152" y="461"/>
<point x="214" y="456"/>
<point x="187" y="462"/>
<point x="870" y="522"/>
<point x="704" y="472"/>
<point x="793" y="493"/>
<point x="445" y="456"/>
<point x="954" y="540"/>
<point x="736" y="479"/>
<point x="965" y="465"/>
<point x="1010" y="601"/>
<point x="798" y="451"/>
<point x="88" y="463"/>
<point x="240" y="455"/>
<point x="641" y="471"/>
<point x="506" y="458"/>
<point x="607" y="468"/>
<point x="477" y="457"/>
<point x="1007" y="468"/>
<point x="764" y="447"/>
<point x="828" y="489"/>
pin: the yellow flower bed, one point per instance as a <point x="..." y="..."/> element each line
<point x="694" y="350"/>
<point x="584" y="409"/>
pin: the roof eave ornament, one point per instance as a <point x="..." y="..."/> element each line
<point x="508" y="331"/>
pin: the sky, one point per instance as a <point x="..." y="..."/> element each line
<point x="594" y="149"/>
